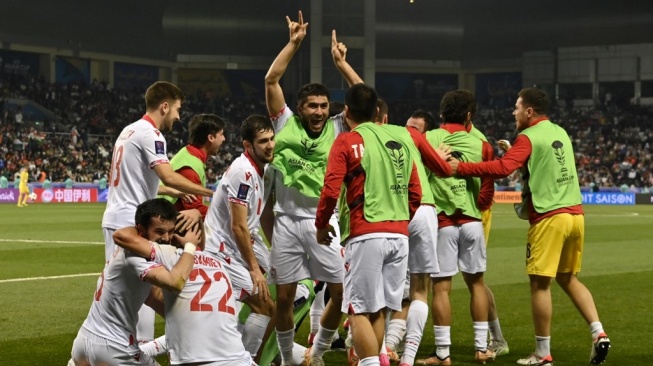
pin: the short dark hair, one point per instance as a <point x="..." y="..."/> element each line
<point x="383" y="110"/>
<point x="160" y="92"/>
<point x="312" y="89"/>
<point x="536" y="99"/>
<point x="203" y="125"/>
<point x="157" y="207"/>
<point x="429" y="121"/>
<point x="253" y="125"/>
<point x="336" y="108"/>
<point x="361" y="103"/>
<point x="455" y="105"/>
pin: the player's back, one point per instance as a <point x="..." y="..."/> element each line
<point x="201" y="322"/>
<point x="138" y="149"/>
<point x="241" y="184"/>
<point x="119" y="294"/>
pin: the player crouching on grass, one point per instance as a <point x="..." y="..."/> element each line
<point x="108" y="335"/>
<point x="201" y="321"/>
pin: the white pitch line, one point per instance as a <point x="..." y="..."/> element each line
<point x="48" y="278"/>
<point x="52" y="241"/>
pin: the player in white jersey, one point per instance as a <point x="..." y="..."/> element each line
<point x="139" y="161"/>
<point x="233" y="220"/>
<point x="303" y="143"/>
<point x="108" y="336"/>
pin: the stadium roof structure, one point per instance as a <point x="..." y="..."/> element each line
<point x="459" y="30"/>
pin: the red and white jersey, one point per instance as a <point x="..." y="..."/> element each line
<point x="119" y="294"/>
<point x="201" y="321"/>
<point x="139" y="148"/>
<point x="242" y="184"/>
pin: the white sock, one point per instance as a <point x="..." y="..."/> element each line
<point x="317" y="308"/>
<point x="253" y="332"/>
<point x="370" y="361"/>
<point x="495" y="331"/>
<point x="480" y="335"/>
<point x="542" y="346"/>
<point x="442" y="340"/>
<point x="145" y="325"/>
<point x="286" y="342"/>
<point x="596" y="328"/>
<point x="322" y="341"/>
<point x="298" y="354"/>
<point x="396" y="333"/>
<point x="418" y="313"/>
<point x="156" y="347"/>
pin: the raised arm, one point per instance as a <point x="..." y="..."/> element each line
<point x="274" y="98"/>
<point x="339" y="53"/>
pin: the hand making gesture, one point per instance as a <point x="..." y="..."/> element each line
<point x="338" y="49"/>
<point x="297" y="29"/>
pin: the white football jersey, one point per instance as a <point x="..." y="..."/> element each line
<point x="289" y="200"/>
<point x="201" y="321"/>
<point x="242" y="184"/>
<point x="139" y="148"/>
<point x="120" y="293"/>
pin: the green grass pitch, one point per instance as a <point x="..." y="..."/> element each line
<point x="50" y="256"/>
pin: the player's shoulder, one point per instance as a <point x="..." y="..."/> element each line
<point x="241" y="167"/>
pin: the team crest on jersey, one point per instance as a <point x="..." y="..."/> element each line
<point x="159" y="148"/>
<point x="242" y="191"/>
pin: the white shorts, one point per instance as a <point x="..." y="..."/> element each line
<point x="241" y="280"/>
<point x="90" y="349"/>
<point x="407" y="282"/>
<point x="461" y="247"/>
<point x="375" y="273"/>
<point x="423" y="238"/>
<point x="244" y="362"/>
<point x="261" y="252"/>
<point x="296" y="255"/>
<point x="109" y="244"/>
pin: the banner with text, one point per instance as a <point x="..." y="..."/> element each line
<point x="608" y="198"/>
<point x="19" y="63"/>
<point x="507" y="197"/>
<point x="8" y="195"/>
<point x="66" y="195"/>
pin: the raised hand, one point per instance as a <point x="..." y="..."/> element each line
<point x="338" y="49"/>
<point x="297" y="29"/>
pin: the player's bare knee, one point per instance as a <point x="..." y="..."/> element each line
<point x="564" y="280"/>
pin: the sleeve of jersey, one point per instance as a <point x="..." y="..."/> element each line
<point x="141" y="265"/>
<point x="335" y="175"/>
<point x="197" y="202"/>
<point x="153" y="147"/>
<point x="279" y="120"/>
<point x="514" y="159"/>
<point x="239" y="187"/>
<point x="431" y="159"/>
<point x="486" y="194"/>
<point x="414" y="192"/>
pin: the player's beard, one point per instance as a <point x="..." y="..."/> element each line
<point x="263" y="156"/>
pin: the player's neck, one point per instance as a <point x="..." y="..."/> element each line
<point x="157" y="119"/>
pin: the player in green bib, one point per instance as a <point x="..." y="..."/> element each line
<point x="382" y="194"/>
<point x="461" y="244"/>
<point x="206" y="135"/>
<point x="552" y="203"/>
<point x="304" y="136"/>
